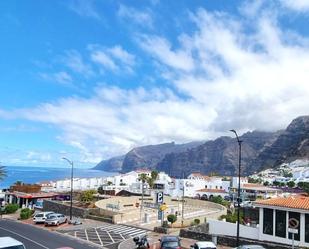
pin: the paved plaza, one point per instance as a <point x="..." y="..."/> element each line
<point x="107" y="235"/>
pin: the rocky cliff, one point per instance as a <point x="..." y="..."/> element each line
<point x="260" y="150"/>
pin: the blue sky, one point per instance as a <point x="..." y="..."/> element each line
<point x="92" y="79"/>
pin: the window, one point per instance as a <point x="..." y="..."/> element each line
<point x="307" y="228"/>
<point x="268" y="221"/>
<point x="281" y="223"/>
<point x="297" y="217"/>
<point x="205" y="186"/>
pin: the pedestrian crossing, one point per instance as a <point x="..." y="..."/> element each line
<point x="126" y="231"/>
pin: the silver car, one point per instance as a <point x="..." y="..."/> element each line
<point x="55" y="219"/>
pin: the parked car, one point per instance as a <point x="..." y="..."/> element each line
<point x="10" y="243"/>
<point x="41" y="217"/>
<point x="55" y="219"/>
<point x="170" y="242"/>
<point x="250" y="247"/>
<point x="204" y="245"/>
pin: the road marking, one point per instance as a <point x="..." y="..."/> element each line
<point x="34" y="242"/>
<point x="99" y="237"/>
<point x="111" y="237"/>
<point x="86" y="235"/>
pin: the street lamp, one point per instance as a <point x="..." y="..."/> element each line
<point x="71" y="199"/>
<point x="238" y="195"/>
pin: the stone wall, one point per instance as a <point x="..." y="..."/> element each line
<point x="195" y="233"/>
<point x="64" y="208"/>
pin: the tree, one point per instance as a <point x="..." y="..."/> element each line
<point x="276" y="183"/>
<point x="266" y="183"/>
<point x="87" y="196"/>
<point x="172" y="218"/>
<point x="291" y="184"/>
<point x="304" y="186"/>
<point x="143" y="177"/>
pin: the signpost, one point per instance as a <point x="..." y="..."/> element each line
<point x="293" y="225"/>
<point x="160" y="197"/>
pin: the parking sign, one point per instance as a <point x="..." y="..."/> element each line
<point x="160" y="197"/>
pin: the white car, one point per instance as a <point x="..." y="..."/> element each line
<point x="10" y="243"/>
<point x="204" y="245"/>
<point x="55" y="219"/>
<point x="41" y="217"/>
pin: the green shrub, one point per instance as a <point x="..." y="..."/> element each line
<point x="25" y="213"/>
<point x="197" y="221"/>
<point x="11" y="208"/>
<point x="172" y="218"/>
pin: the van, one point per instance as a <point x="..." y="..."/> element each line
<point x="10" y="243"/>
<point x="41" y="217"/>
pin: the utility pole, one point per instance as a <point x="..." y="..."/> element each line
<point x="183" y="201"/>
<point x="238" y="194"/>
<point x="142" y="202"/>
<point x="71" y="203"/>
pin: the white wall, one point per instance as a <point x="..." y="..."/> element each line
<point x="217" y="227"/>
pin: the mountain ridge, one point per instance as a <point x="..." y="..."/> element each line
<point x="260" y="150"/>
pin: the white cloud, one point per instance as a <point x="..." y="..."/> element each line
<point x="75" y="62"/>
<point x="114" y="58"/>
<point x="226" y="77"/>
<point x="160" y="49"/>
<point x="85" y="8"/>
<point x="140" y="17"/>
<point x="297" y="5"/>
<point x="60" y="77"/>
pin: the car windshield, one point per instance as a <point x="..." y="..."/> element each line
<point x="14" y="247"/>
<point x="170" y="244"/>
<point x="208" y="247"/>
<point x="39" y="215"/>
<point x="51" y="216"/>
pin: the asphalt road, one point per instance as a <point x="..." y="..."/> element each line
<point x="38" y="238"/>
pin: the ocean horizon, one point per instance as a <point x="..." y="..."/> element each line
<point x="27" y="174"/>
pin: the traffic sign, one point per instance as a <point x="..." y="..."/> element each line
<point x="293" y="223"/>
<point x="292" y="230"/>
<point x="160" y="197"/>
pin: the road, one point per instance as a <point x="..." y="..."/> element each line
<point x="38" y="238"/>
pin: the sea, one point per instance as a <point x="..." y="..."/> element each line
<point x="38" y="174"/>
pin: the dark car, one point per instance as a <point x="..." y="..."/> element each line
<point x="170" y="242"/>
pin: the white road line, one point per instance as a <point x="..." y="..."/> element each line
<point x="111" y="237"/>
<point x="98" y="236"/>
<point x="75" y="233"/>
<point x="130" y="229"/>
<point x="137" y="233"/>
<point x="34" y="242"/>
<point x="86" y="235"/>
<point x="119" y="229"/>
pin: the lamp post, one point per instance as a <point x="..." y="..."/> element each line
<point x="238" y="194"/>
<point x="71" y="199"/>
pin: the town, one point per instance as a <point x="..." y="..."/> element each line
<point x="154" y="201"/>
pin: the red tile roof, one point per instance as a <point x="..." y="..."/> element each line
<point x="295" y="202"/>
<point x="34" y="195"/>
<point x="209" y="190"/>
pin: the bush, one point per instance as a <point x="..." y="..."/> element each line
<point x="197" y="221"/>
<point x="11" y="208"/>
<point x="87" y="195"/>
<point x="172" y="218"/>
<point x="25" y="213"/>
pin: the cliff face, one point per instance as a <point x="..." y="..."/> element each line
<point x="260" y="150"/>
<point x="292" y="143"/>
<point x="111" y="165"/>
<point x="219" y="156"/>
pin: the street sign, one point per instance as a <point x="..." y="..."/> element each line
<point x="293" y="223"/>
<point x="292" y="230"/>
<point x="160" y="197"/>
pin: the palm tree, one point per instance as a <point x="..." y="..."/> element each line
<point x="143" y="177"/>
